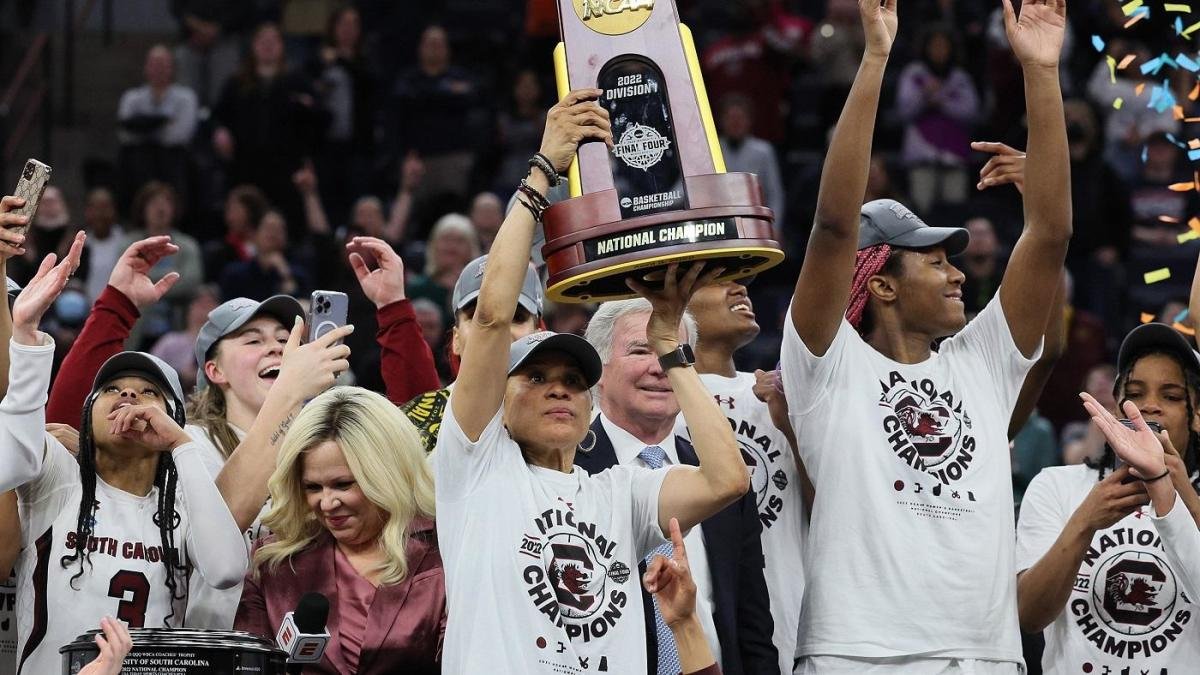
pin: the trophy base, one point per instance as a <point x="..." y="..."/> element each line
<point x="605" y="280"/>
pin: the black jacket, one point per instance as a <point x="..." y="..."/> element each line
<point x="741" y="607"/>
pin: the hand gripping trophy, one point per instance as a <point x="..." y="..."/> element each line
<point x="661" y="195"/>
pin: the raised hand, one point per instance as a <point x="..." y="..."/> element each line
<point x="309" y="369"/>
<point x="41" y="292"/>
<point x="114" y="643"/>
<point x="1007" y="165"/>
<point x="131" y="275"/>
<point x="662" y="332"/>
<point x="66" y="434"/>
<point x="1037" y="36"/>
<point x="1110" y="500"/>
<point x="768" y="388"/>
<point x="384" y="284"/>
<point x="571" y="121"/>
<point x="147" y="425"/>
<point x="880" y="23"/>
<point x="670" y="581"/>
<point x="1139" y="447"/>
<point x="11" y="243"/>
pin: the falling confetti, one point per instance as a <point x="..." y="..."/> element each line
<point x="1129" y="7"/>
<point x="1180" y="316"/>
<point x="1098" y="43"/>
<point x="1147" y="318"/>
<point x="1157" y="275"/>
<point x="1188" y="236"/>
<point x="1186" y="330"/>
<point x="1118" y="102"/>
<point x="1127" y="60"/>
<point x="1177" y="7"/>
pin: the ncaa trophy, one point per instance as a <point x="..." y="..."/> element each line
<point x="662" y="195"/>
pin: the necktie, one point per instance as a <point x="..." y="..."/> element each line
<point x="668" y="655"/>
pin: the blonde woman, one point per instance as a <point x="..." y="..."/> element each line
<point x="453" y="243"/>
<point x="352" y="518"/>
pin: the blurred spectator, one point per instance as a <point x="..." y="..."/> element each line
<point x="1085" y="348"/>
<point x="1126" y="128"/>
<point x="744" y="152"/>
<point x="303" y="23"/>
<point x="346" y="88"/>
<point x="487" y="213"/>
<point x="452" y="244"/>
<point x="65" y="319"/>
<point x="269" y="272"/>
<point x="434" y="108"/>
<point x="105" y="241"/>
<point x="154" y="212"/>
<point x="178" y="348"/>
<point x="244" y="206"/>
<point x="938" y="104"/>
<point x="208" y="53"/>
<point x="1081" y="440"/>
<point x="268" y="123"/>
<point x="754" y="57"/>
<point x="567" y="318"/>
<point x="52" y="228"/>
<point x="982" y="264"/>
<point x="1034" y="448"/>
<point x="519" y="130"/>
<point x="429" y="318"/>
<point x="880" y="184"/>
<point x="156" y="123"/>
<point x="836" y="47"/>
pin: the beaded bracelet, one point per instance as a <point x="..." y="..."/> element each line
<point x="538" y="199"/>
<point x="537" y="215"/>
<point x="542" y="163"/>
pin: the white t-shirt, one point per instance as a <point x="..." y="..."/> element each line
<point x="775" y="480"/>
<point x="1128" y="605"/>
<point x="541" y="566"/>
<point x="910" y="549"/>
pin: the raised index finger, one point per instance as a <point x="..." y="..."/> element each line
<point x="679" y="551"/>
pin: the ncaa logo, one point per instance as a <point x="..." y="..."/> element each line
<point x="641" y="147"/>
<point x="626" y="202"/>
<point x="1133" y="592"/>
<point x="575" y="573"/>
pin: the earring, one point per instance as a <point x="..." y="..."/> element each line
<point x="589" y="442"/>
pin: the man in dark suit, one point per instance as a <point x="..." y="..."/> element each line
<point x="636" y="426"/>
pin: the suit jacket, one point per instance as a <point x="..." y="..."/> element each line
<point x="406" y="622"/>
<point x="741" y="607"/>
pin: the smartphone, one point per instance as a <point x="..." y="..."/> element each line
<point x="1117" y="462"/>
<point x="328" y="310"/>
<point x="30" y="187"/>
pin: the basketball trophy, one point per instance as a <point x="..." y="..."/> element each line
<point x="662" y="195"/>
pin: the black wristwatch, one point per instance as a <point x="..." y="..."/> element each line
<point x="683" y="356"/>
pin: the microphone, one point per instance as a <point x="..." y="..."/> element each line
<point x="302" y="633"/>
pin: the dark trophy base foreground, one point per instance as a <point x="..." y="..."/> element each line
<point x="590" y="251"/>
<point x="182" y="651"/>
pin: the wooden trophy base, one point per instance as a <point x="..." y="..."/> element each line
<point x="590" y="251"/>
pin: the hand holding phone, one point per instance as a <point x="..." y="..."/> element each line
<point x="328" y="310"/>
<point x="34" y="178"/>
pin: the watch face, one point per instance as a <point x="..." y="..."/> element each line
<point x="689" y="357"/>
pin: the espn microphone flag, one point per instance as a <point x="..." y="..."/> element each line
<point x="302" y="633"/>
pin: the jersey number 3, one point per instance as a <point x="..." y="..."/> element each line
<point x="133" y="610"/>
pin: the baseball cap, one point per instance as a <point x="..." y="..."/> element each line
<point x="466" y="289"/>
<point x="1157" y="337"/>
<point x="146" y="366"/>
<point x="232" y="315"/>
<point x="577" y="348"/>
<point x="887" y="221"/>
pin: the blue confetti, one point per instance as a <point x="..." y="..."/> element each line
<point x="1193" y="155"/>
<point x="1180" y="316"/>
<point x="1178" y="26"/>
<point x="1152" y="66"/>
<point x="1171" y="137"/>
<point x="1098" y="43"/>
<point x="1144" y="153"/>
<point x="1185" y="62"/>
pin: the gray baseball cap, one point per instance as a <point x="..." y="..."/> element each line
<point x="146" y="366"/>
<point x="466" y="289"/>
<point x="577" y="348"/>
<point x="887" y="221"/>
<point x="232" y="315"/>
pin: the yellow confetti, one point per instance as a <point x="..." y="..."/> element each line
<point x="1187" y="32"/>
<point x="1147" y="318"/>
<point x="1188" y="236"/>
<point x="1112" y="68"/>
<point x="1128" y="60"/>
<point x="1118" y="103"/>
<point x="1157" y="275"/>
<point x="1176" y="7"/>
<point x="1129" y="7"/>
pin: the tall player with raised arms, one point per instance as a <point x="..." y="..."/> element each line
<point x="119" y="531"/>
<point x="910" y="566"/>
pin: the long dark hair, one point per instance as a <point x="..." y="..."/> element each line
<point x="166" y="517"/>
<point x="1191" y="378"/>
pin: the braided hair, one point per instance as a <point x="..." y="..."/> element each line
<point x="1191" y="452"/>
<point x="878" y="259"/>
<point x="166" y="517"/>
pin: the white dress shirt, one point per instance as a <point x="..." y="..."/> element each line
<point x="627" y="447"/>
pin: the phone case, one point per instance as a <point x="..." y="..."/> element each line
<point x="30" y="187"/>
<point x="329" y="311"/>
